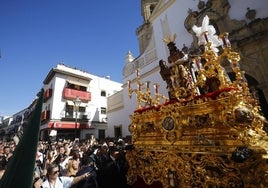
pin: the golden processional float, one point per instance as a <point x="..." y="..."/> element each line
<point x="208" y="132"/>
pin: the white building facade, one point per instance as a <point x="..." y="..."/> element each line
<point x="169" y="17"/>
<point x="75" y="103"/>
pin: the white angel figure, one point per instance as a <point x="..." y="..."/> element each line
<point x="207" y="33"/>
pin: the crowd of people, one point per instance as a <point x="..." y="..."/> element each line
<point x="75" y="163"/>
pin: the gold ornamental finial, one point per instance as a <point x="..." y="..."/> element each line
<point x="168" y="39"/>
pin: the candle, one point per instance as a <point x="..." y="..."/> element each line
<point x="205" y="35"/>
<point x="128" y="83"/>
<point x="196" y="61"/>
<point x="148" y="84"/>
<point x="225" y="40"/>
<point x="156" y="88"/>
<point x="137" y="72"/>
<point x="139" y="86"/>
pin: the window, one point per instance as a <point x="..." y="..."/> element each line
<point x="103" y="110"/>
<point x="118" y="131"/>
<point x="76" y="87"/>
<point x="101" y="134"/>
<point x="103" y="93"/>
<point x="69" y="111"/>
<point x="82" y="109"/>
<point x="70" y="86"/>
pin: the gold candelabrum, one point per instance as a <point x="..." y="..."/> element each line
<point x="144" y="98"/>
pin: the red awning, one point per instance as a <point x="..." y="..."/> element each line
<point x="68" y="125"/>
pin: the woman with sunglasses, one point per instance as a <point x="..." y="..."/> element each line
<point x="54" y="181"/>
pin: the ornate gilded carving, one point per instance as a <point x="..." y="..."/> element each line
<point x="209" y="136"/>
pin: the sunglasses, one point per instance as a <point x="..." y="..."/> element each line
<point x="55" y="172"/>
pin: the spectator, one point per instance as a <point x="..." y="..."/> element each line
<point x="51" y="157"/>
<point x="62" y="150"/>
<point x="37" y="183"/>
<point x="72" y="167"/>
<point x="103" y="155"/>
<point x="3" y="161"/>
<point x="91" y="181"/>
<point x="38" y="170"/>
<point x="112" y="175"/>
<point x="53" y="179"/>
<point x="7" y="152"/>
<point x="67" y="148"/>
<point x="2" y="171"/>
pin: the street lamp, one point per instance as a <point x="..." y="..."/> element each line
<point x="77" y="103"/>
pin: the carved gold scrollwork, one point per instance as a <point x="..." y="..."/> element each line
<point x="196" y="169"/>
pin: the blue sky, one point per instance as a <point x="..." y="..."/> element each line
<point x="36" y="35"/>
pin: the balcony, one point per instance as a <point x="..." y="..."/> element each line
<point x="47" y="94"/>
<point x="71" y="94"/>
<point x="70" y="116"/>
<point x="45" y="115"/>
